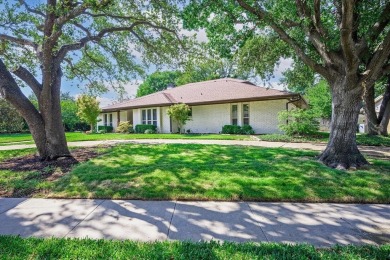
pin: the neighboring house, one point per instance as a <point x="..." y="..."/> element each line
<point x="363" y="119"/>
<point x="213" y="103"/>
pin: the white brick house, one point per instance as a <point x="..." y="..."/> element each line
<point x="214" y="103"/>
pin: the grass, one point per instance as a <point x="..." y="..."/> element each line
<point x="12" y="247"/>
<point x="7" y="139"/>
<point x="206" y="172"/>
<point x="322" y="137"/>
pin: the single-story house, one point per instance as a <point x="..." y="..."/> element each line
<point x="213" y="104"/>
<point x="363" y="119"/>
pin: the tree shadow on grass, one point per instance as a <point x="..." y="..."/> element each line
<point x="209" y="172"/>
<point x="32" y="171"/>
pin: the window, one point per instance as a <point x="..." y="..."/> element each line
<point x="105" y="120"/>
<point x="245" y="115"/>
<point x="234" y="115"/>
<point x="110" y="120"/>
<point x="149" y="116"/>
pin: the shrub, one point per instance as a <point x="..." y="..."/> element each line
<point x="105" y="129"/>
<point x="231" y="129"/>
<point x="125" y="128"/>
<point x="298" y="122"/>
<point x="150" y="131"/>
<point x="247" y="130"/>
<point x="180" y="113"/>
<point x="140" y="129"/>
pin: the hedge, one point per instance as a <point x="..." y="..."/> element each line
<point x="237" y="130"/>
<point x="140" y="129"/>
<point x="105" y="128"/>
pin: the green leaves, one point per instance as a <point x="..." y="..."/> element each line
<point x="88" y="109"/>
<point x="180" y="113"/>
<point x="298" y="122"/>
<point x="137" y="33"/>
<point x="157" y="81"/>
<point x="320" y="100"/>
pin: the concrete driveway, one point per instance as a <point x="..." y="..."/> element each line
<point x="321" y="224"/>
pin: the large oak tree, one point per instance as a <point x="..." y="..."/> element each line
<point x="97" y="41"/>
<point x="347" y="42"/>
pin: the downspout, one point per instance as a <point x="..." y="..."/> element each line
<point x="292" y="101"/>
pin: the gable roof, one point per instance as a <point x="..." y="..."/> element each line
<point x="206" y="92"/>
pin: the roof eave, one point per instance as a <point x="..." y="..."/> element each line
<point x="285" y="96"/>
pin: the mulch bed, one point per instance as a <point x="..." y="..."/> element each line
<point x="32" y="162"/>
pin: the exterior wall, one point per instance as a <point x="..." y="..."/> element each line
<point x="165" y="120"/>
<point x="263" y="117"/>
<point x="208" y="118"/>
<point x="114" y="119"/>
<point x="136" y="117"/>
<point x="122" y="116"/>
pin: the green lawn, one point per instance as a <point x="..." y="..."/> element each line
<point x="206" y="172"/>
<point x="6" y="139"/>
<point x="362" y="139"/>
<point x="322" y="137"/>
<point x="55" y="248"/>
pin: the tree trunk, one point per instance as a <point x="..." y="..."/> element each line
<point x="342" y="151"/>
<point x="382" y="129"/>
<point x="45" y="125"/>
<point x="50" y="107"/>
<point x="384" y="111"/>
<point x="377" y="124"/>
<point x="369" y="108"/>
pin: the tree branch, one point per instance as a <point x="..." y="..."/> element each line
<point x="60" y="21"/>
<point x="346" y="34"/>
<point x="380" y="25"/>
<point x="264" y="16"/>
<point x="125" y="17"/>
<point x="314" y="32"/>
<point x="19" y="41"/>
<point x="81" y="27"/>
<point x="377" y="65"/>
<point x="29" y="79"/>
<point x="12" y="93"/>
<point x="31" y="10"/>
<point x="82" y="42"/>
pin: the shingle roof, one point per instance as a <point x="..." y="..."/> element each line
<point x="206" y="92"/>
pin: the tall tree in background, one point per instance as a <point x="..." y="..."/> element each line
<point x="347" y="42"/>
<point x="88" y="110"/>
<point x="10" y="120"/>
<point x="194" y="70"/>
<point x="94" y="41"/>
<point x="157" y="81"/>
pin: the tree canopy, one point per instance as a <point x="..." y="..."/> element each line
<point x="101" y="42"/>
<point x="346" y="42"/>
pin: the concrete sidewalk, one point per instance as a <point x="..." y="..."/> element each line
<point x="376" y="151"/>
<point x="322" y="224"/>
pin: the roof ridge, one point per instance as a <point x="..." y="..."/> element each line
<point x="169" y="97"/>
